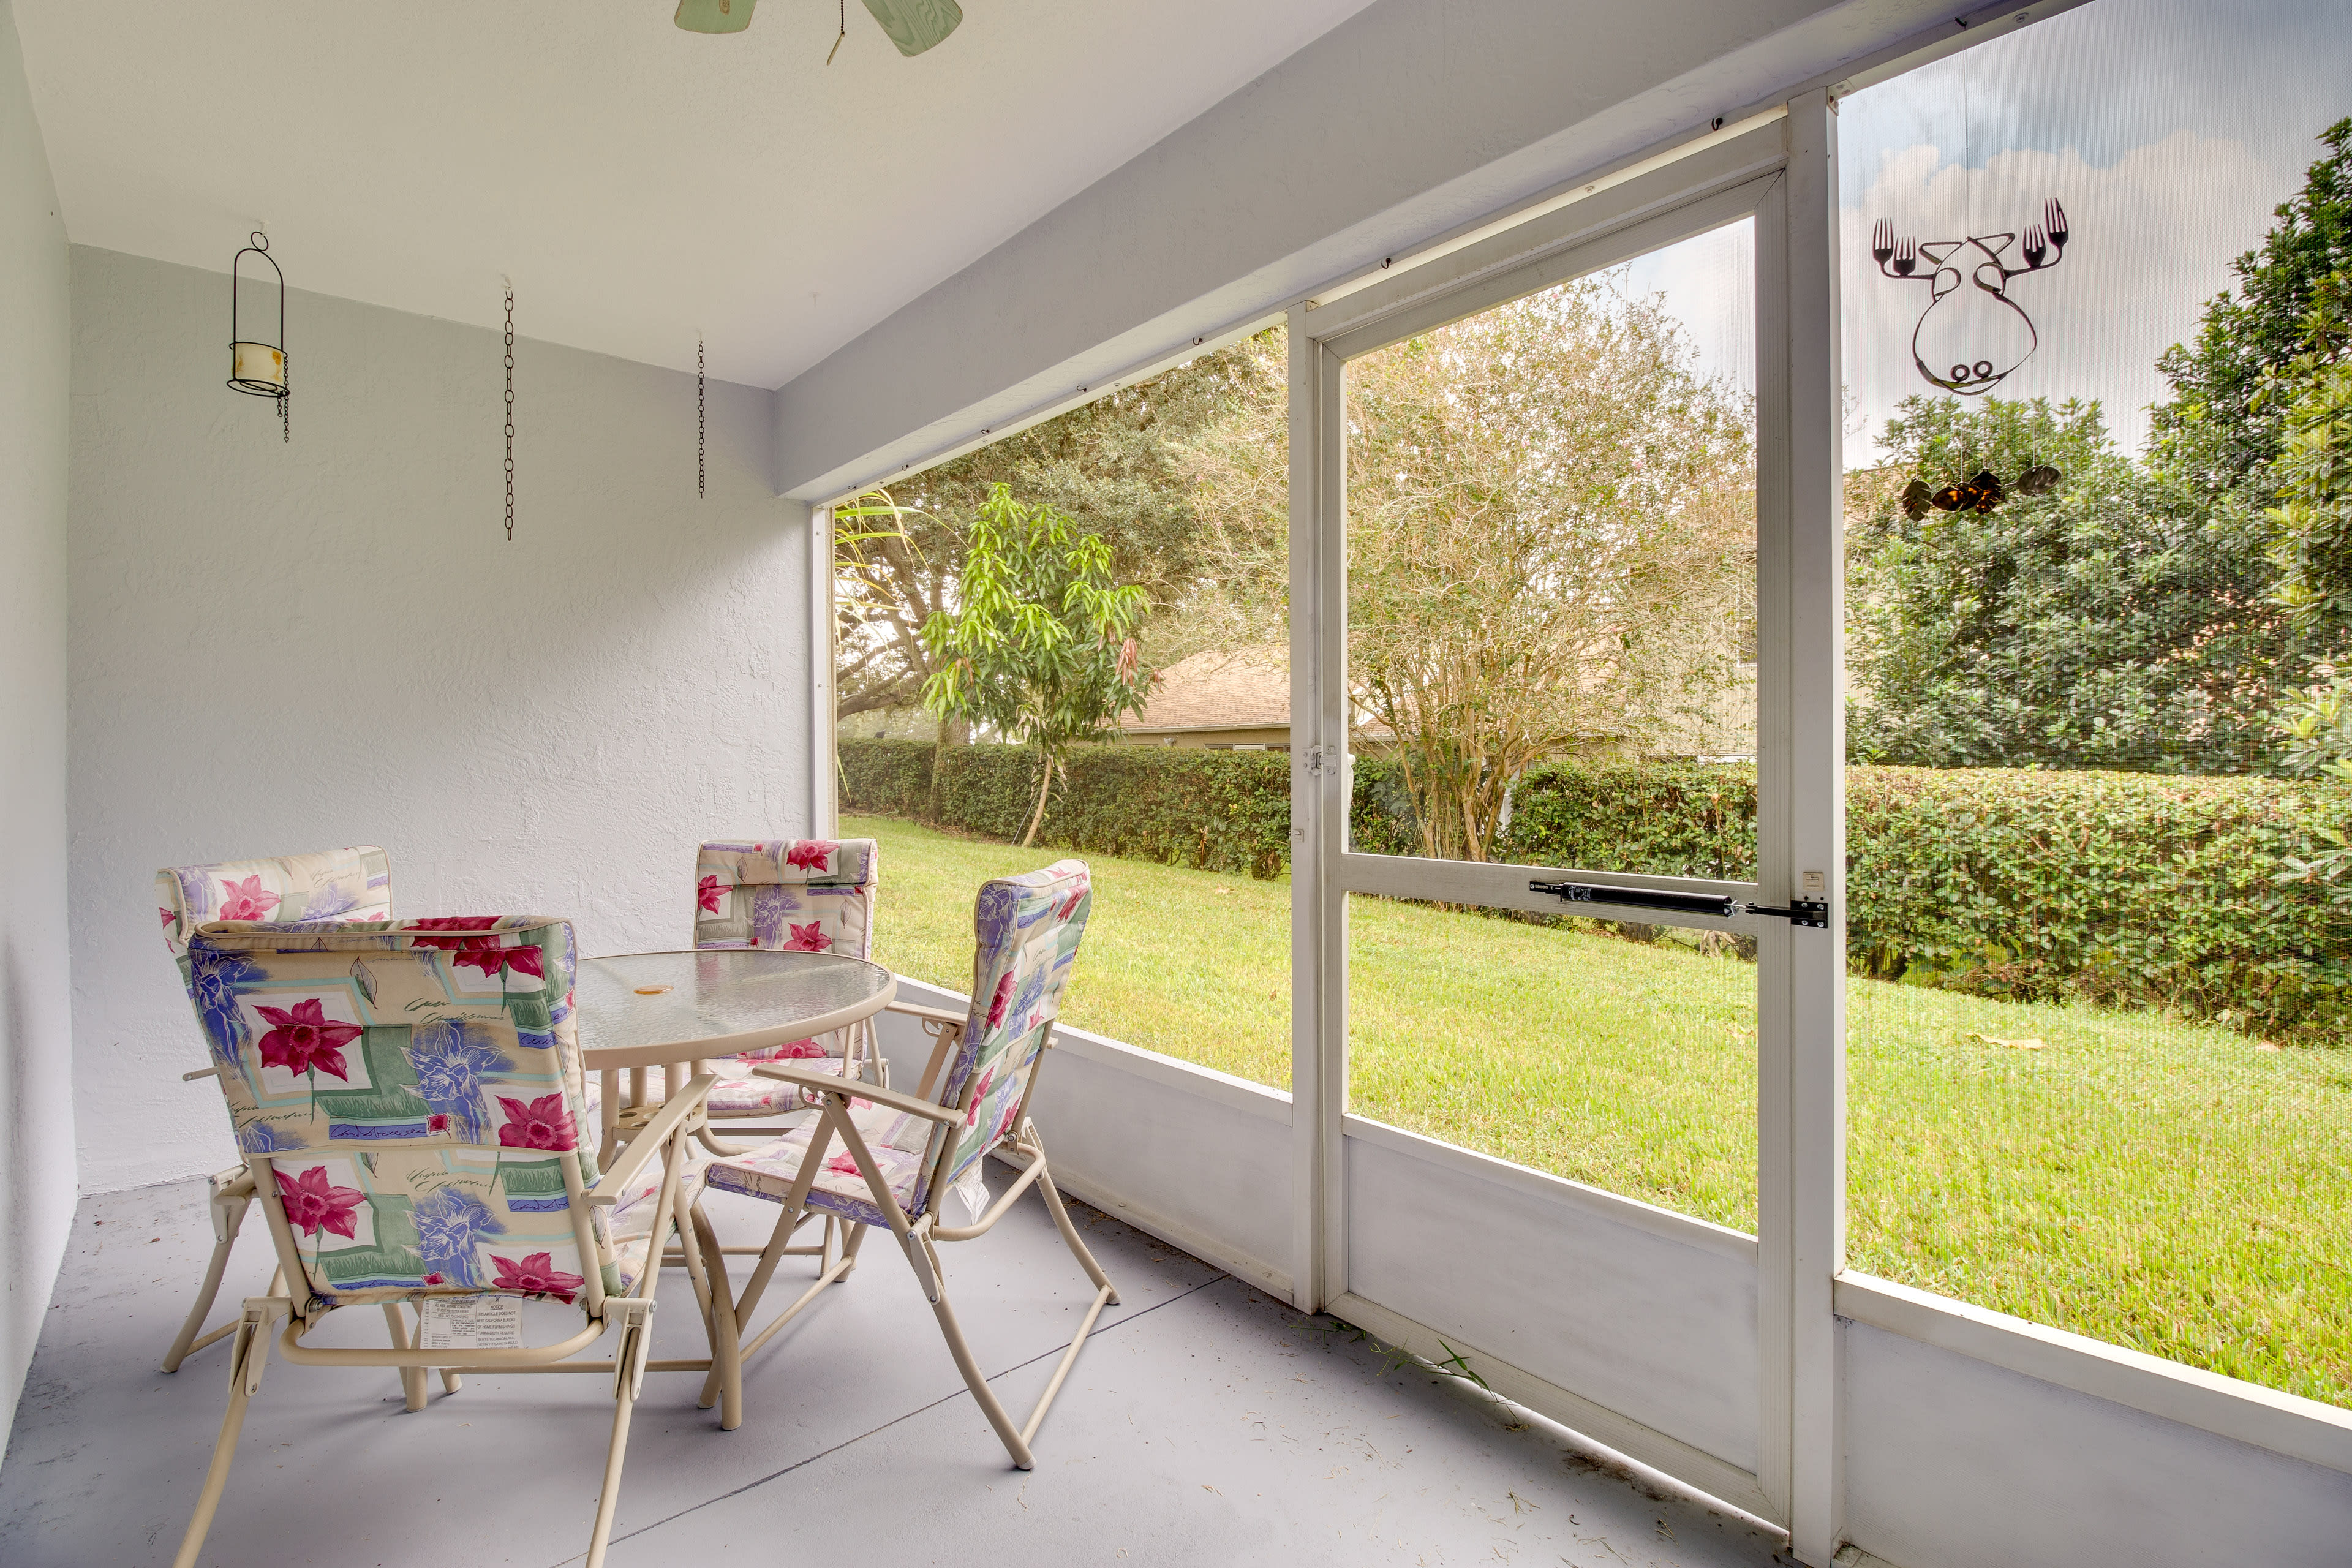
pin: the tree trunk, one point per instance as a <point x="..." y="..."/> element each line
<point x="935" y="805"/>
<point x="1037" y="816"/>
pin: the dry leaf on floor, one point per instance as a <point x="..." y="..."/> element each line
<point x="2013" y="1045"/>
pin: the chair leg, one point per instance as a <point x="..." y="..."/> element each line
<point x="628" y="1376"/>
<point x="1070" y="1238"/>
<point x="935" y="1287"/>
<point x="412" y="1378"/>
<point x="252" y="1352"/>
<point x="230" y="1199"/>
<point x="719" y="1320"/>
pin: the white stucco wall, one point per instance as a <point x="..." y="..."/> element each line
<point x="36" y="1149"/>
<point x="285" y="648"/>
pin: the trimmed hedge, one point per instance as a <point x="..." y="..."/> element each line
<point x="1217" y="811"/>
<point x="2129" y="888"/>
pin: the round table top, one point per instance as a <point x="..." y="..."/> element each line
<point x="718" y="1002"/>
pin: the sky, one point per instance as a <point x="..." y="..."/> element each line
<point x="2169" y="129"/>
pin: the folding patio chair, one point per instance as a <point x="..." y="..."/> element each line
<point x="408" y="1101"/>
<point x="352" y="884"/>
<point x="898" y="1153"/>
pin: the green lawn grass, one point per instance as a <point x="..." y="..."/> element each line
<point x="2155" y="1183"/>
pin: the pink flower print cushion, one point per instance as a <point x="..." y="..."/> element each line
<point x="304" y="1037"/>
<point x="809" y="938"/>
<point x="708" y="891"/>
<point x="313" y="1205"/>
<point x="541" y="1124"/>
<point x="245" y="900"/>
<point x="536" y="1274"/>
<point x="810" y="854"/>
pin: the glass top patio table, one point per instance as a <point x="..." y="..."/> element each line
<point x="646" y="1009"/>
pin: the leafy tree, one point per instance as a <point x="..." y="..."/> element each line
<point x="1552" y="543"/>
<point x="2311" y="547"/>
<point x="2311" y="541"/>
<point x="2215" y="433"/>
<point x="886" y="585"/>
<point x="2115" y="621"/>
<point x="1113" y="466"/>
<point x="1041" y="642"/>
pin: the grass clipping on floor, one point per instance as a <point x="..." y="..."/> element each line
<point x="2173" y="1188"/>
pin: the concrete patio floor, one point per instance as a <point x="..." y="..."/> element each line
<point x="1205" y="1422"/>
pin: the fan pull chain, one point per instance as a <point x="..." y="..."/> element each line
<point x="509" y="411"/>
<point x="698" y="441"/>
<point x="838" y="36"/>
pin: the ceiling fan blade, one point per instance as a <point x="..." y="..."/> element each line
<point x="913" y="25"/>
<point x="714" y="16"/>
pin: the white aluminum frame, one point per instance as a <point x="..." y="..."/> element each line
<point x="824" y="725"/>
<point x="1781" y="171"/>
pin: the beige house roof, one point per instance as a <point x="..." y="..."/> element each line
<point x="1217" y="690"/>
<point x="1220" y="689"/>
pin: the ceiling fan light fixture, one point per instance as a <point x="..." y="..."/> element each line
<point x="913" y="25"/>
<point x="714" y="16"/>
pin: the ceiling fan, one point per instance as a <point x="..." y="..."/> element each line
<point x="913" y="25"/>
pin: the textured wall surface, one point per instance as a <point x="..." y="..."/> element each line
<point x="36" y="1149"/>
<point x="282" y="647"/>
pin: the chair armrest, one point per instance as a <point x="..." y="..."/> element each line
<point x="893" y="1098"/>
<point x="928" y="1014"/>
<point x="640" y="1148"/>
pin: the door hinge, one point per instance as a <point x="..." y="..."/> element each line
<point x="1321" y="760"/>
<point x="1813" y="912"/>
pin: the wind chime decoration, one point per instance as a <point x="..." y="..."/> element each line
<point x="1978" y="495"/>
<point x="259" y="369"/>
<point x="1970" y="338"/>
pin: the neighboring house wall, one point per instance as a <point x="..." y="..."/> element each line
<point x="1272" y="737"/>
<point x="36" y="1134"/>
<point x="297" y="646"/>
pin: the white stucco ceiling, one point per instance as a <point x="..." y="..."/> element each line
<point x="636" y="181"/>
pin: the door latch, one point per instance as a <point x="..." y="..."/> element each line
<point x="1811" y="912"/>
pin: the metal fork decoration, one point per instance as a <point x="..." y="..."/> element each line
<point x="1977" y="335"/>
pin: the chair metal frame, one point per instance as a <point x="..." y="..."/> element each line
<point x="919" y="1236"/>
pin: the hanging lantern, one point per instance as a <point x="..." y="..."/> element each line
<point x="257" y="369"/>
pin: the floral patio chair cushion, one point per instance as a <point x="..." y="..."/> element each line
<point x="1027" y="931"/>
<point x="897" y="1141"/>
<point x="352" y="884"/>
<point x="800" y="895"/>
<point x="416" y="1088"/>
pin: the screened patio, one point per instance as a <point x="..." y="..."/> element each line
<point x="523" y="569"/>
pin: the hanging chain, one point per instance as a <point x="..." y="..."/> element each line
<point x="509" y="413"/>
<point x="698" y="441"/>
<point x="838" y="36"/>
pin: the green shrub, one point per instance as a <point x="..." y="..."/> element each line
<point x="2126" y="887"/>
<point x="1215" y="811"/>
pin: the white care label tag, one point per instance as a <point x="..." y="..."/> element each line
<point x="471" y="1323"/>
